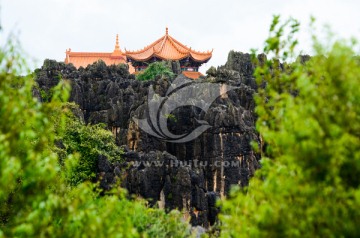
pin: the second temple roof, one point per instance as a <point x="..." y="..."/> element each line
<point x="168" y="48"/>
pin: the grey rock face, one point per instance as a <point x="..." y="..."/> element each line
<point x="188" y="176"/>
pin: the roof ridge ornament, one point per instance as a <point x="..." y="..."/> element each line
<point x="117" y="46"/>
<point x="167" y="31"/>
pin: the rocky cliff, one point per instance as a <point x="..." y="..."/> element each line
<point x="188" y="176"/>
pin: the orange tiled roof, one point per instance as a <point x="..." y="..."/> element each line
<point x="167" y="48"/>
<point x="192" y="75"/>
<point x="83" y="59"/>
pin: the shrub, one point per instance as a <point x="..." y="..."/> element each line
<point x="154" y="70"/>
<point x="309" y="118"/>
<point x="88" y="142"/>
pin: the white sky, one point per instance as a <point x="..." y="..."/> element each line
<point x="46" y="28"/>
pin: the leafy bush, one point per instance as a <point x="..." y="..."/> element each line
<point x="35" y="200"/>
<point x="309" y="118"/>
<point x="154" y="70"/>
<point x="89" y="142"/>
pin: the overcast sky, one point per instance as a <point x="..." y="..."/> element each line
<point x="46" y="28"/>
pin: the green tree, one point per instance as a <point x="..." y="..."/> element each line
<point x="88" y="142"/>
<point x="309" y="118"/>
<point x="154" y="70"/>
<point x="35" y="200"/>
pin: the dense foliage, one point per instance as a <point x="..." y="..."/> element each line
<point x="88" y="142"/>
<point x="35" y="198"/>
<point x="154" y="70"/>
<point x="309" y="118"/>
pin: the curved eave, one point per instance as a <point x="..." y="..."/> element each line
<point x="152" y="56"/>
<point x="203" y="60"/>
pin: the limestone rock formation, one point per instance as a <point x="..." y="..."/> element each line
<point x="188" y="176"/>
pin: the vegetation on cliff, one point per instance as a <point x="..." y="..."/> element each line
<point x="308" y="185"/>
<point x="87" y="142"/>
<point x="154" y="70"/>
<point x="35" y="197"/>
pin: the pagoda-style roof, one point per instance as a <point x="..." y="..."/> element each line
<point x="168" y="48"/>
<point x="192" y="75"/>
<point x="83" y="59"/>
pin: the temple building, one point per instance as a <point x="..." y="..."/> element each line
<point x="83" y="59"/>
<point x="166" y="48"/>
